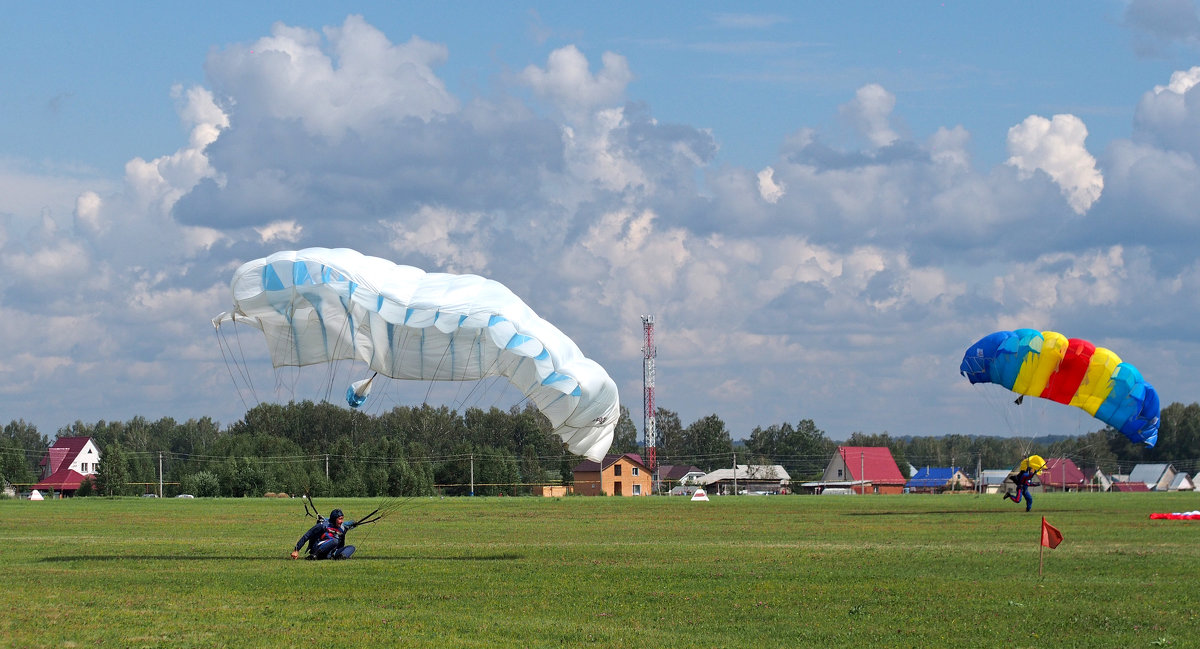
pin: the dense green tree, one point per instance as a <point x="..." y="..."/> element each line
<point x="113" y="473"/>
<point x="531" y="469"/>
<point x="202" y="484"/>
<point x="496" y="473"/>
<point x="802" y="449"/>
<point x="21" y="448"/>
<point x="625" y="435"/>
<point x="86" y="488"/>
<point x="672" y="448"/>
<point x="707" y="442"/>
<point x="14" y="468"/>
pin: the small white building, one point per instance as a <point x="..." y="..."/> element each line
<point x="747" y="479"/>
<point x="992" y="480"/>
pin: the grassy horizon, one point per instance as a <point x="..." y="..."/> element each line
<point x="850" y="571"/>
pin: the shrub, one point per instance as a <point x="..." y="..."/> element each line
<point x="202" y="484"/>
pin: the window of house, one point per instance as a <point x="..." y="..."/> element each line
<point x="637" y="488"/>
<point x="635" y="471"/>
<point x="839" y="473"/>
<point x="616" y="469"/>
<point x="83" y="467"/>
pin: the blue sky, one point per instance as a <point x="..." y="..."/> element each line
<point x="824" y="204"/>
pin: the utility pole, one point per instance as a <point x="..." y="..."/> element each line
<point x="472" y="474"/>
<point x="160" y="494"/>
<point x="735" y="489"/>
<point x="979" y="473"/>
<point x="326" y="466"/>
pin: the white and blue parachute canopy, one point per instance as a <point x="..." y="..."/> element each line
<point x="320" y="305"/>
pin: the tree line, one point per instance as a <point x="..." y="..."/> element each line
<point x="327" y="450"/>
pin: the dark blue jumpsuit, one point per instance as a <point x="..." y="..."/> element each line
<point x="325" y="539"/>
<point x="1022" y="480"/>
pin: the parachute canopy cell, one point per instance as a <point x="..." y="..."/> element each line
<point x="319" y="305"/>
<point x="1071" y="371"/>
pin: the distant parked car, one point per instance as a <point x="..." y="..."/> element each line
<point x="185" y="496"/>
<point x="149" y="495"/>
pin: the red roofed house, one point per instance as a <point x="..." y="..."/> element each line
<point x="617" y="475"/>
<point x="865" y="469"/>
<point x="1061" y="474"/>
<point x="67" y="462"/>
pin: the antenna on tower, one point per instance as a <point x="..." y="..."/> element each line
<point x="648" y="354"/>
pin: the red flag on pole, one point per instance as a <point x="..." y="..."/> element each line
<point x="1051" y="537"/>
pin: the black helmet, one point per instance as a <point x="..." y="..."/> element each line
<point x="335" y="514"/>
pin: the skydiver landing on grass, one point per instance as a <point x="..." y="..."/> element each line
<point x="1022" y="480"/>
<point x="327" y="539"/>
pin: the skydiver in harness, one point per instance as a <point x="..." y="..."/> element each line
<point x="1022" y="480"/>
<point x="327" y="539"/>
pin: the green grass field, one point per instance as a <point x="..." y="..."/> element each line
<point x="778" y="571"/>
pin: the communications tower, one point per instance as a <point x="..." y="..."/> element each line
<point x="648" y="353"/>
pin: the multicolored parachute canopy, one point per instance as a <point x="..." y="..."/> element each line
<point x="1033" y="462"/>
<point x="1075" y="372"/>
<point x="320" y="305"/>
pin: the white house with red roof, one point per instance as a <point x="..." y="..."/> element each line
<point x="862" y="469"/>
<point x="67" y="463"/>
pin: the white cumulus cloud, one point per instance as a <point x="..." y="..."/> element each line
<point x="1056" y="146"/>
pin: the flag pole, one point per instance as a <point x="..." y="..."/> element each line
<point x="1041" y="555"/>
<point x="1041" y="546"/>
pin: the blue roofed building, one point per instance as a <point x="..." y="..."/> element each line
<point x="939" y="480"/>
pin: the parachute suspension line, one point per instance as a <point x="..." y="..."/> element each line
<point x="452" y="351"/>
<point x="227" y="358"/>
<point x="479" y="386"/>
<point x="1014" y="416"/>
<point x="448" y="352"/>
<point x="249" y="377"/>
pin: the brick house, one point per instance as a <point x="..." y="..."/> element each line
<point x="67" y="463"/>
<point x="616" y="475"/>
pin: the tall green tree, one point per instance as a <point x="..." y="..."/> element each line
<point x="112" y="475"/>
<point x="707" y="440"/>
<point x="21" y="448"/>
<point x="625" y="435"/>
<point x="672" y="448"/>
